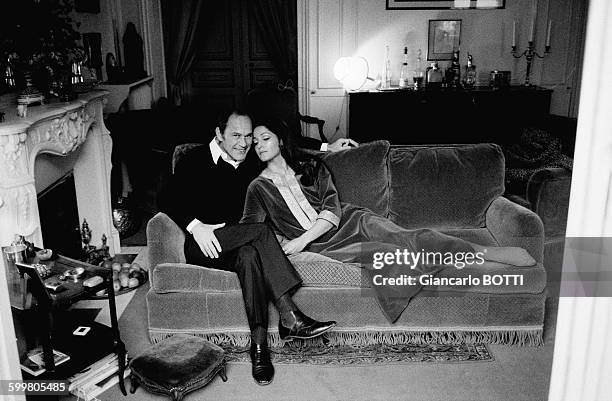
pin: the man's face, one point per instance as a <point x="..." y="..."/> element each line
<point x="237" y="137"/>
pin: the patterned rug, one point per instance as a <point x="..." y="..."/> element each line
<point x="369" y="354"/>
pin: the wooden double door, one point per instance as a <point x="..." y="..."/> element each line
<point x="231" y="58"/>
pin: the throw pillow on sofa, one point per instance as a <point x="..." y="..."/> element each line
<point x="444" y="186"/>
<point x="360" y="175"/>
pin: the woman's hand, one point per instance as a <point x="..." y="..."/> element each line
<point x="298" y="244"/>
<point x="294" y="246"/>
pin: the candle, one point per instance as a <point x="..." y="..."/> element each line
<point x="548" y="33"/>
<point x="513" y="33"/>
<point x="534" y="13"/>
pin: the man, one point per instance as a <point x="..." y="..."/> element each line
<point x="205" y="197"/>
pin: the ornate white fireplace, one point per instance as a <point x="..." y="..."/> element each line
<point x="58" y="129"/>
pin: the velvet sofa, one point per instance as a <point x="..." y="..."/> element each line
<point x="453" y="188"/>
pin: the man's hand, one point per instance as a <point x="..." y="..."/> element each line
<point x="341" y="144"/>
<point x="294" y="246"/>
<point x="204" y="235"/>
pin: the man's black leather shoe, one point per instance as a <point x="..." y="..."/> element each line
<point x="262" y="369"/>
<point x="303" y="327"/>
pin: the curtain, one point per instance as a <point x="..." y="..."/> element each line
<point x="181" y="19"/>
<point x="277" y="23"/>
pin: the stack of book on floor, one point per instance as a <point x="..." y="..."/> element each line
<point x="97" y="378"/>
<point x="33" y="362"/>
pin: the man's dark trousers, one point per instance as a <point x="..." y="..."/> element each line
<point x="253" y="253"/>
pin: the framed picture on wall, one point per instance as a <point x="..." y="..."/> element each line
<point x="443" y="39"/>
<point x="444" y="4"/>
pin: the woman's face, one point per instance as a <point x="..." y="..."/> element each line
<point x="266" y="143"/>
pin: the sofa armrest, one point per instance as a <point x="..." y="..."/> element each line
<point x="514" y="225"/>
<point x="548" y="193"/>
<point x="165" y="241"/>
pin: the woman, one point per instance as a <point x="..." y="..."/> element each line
<point x="305" y="209"/>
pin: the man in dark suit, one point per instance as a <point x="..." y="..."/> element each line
<point x="205" y="197"/>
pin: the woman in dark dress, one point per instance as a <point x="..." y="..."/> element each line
<point x="305" y="211"/>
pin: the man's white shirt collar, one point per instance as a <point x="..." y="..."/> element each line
<point x="216" y="153"/>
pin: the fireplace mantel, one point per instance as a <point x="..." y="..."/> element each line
<point x="57" y="129"/>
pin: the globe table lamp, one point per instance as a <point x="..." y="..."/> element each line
<point x="352" y="72"/>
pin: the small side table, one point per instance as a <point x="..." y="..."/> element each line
<point x="48" y="303"/>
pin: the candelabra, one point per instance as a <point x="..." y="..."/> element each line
<point x="529" y="54"/>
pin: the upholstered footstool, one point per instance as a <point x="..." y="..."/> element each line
<point x="177" y="366"/>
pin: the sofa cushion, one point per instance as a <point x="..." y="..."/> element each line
<point x="448" y="186"/>
<point x="181" y="278"/>
<point x="316" y="271"/>
<point x="506" y="279"/>
<point x="361" y="175"/>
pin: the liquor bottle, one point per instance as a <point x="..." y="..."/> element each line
<point x="434" y="76"/>
<point x="385" y="77"/>
<point x="418" y="76"/>
<point x="403" y="80"/>
<point x="455" y="69"/>
<point x="470" y="73"/>
<point x="448" y="77"/>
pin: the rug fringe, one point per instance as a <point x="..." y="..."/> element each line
<point x="533" y="337"/>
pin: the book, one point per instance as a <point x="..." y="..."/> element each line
<point x="92" y="390"/>
<point x="34" y="364"/>
<point x="96" y="378"/>
<point x="94" y="375"/>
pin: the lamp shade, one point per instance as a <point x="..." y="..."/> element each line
<point x="352" y="72"/>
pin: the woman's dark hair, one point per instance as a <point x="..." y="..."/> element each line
<point x="300" y="162"/>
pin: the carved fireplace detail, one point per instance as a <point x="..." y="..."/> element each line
<point x="57" y="129"/>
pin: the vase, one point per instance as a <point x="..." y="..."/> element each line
<point x="126" y="219"/>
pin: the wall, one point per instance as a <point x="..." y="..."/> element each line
<point x="101" y="23"/>
<point x="146" y="16"/>
<point x="334" y="28"/>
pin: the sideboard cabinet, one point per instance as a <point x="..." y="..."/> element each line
<point x="432" y="116"/>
